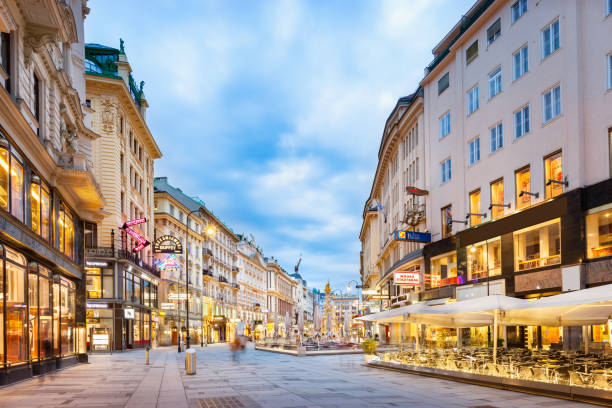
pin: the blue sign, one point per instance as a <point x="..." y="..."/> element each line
<point x="413" y="236"/>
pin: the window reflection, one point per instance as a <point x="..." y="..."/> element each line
<point x="523" y="184"/>
<point x="484" y="259"/>
<point x="538" y="246"/>
<point x="553" y="170"/>
<point x="444" y="270"/>
<point x="599" y="234"/>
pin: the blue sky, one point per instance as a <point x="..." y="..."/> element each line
<point x="272" y="111"/>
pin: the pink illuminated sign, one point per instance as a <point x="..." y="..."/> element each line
<point x="137" y="221"/>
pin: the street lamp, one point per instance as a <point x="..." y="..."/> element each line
<point x="210" y="231"/>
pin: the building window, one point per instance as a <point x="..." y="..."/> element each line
<point x="518" y="9"/>
<point x="474" y="151"/>
<point x="538" y="246"/>
<point x="122" y="204"/>
<point x="445" y="171"/>
<point x="521" y="122"/>
<point x="471" y="53"/>
<point x="550" y="39"/>
<point x="40" y="209"/>
<point x="444" y="270"/>
<point x="495" y="82"/>
<point x="5" y="59"/>
<point x="523" y="187"/>
<point x="551" y="103"/>
<point x="121" y="125"/>
<point x="171" y="210"/>
<point x="445" y="125"/>
<point x="446" y="217"/>
<point x="553" y="171"/>
<point x="494" y="31"/>
<point x="496" y="134"/>
<point x="36" y="98"/>
<point x="521" y="62"/>
<point x="443" y="83"/>
<point x="121" y="163"/>
<point x="66" y="232"/>
<point x="497" y="198"/>
<point x="91" y="234"/>
<point x="475" y="208"/>
<point x="16" y="181"/>
<point x="599" y="233"/>
<point x="484" y="259"/>
<point x="473" y="101"/>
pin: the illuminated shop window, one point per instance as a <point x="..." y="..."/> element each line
<point x="484" y="259"/>
<point x="40" y="208"/>
<point x="475" y="208"/>
<point x="599" y="233"/>
<point x="497" y="198"/>
<point x="444" y="270"/>
<point x="553" y="170"/>
<point x="538" y="246"/>
<point x="66" y="232"/>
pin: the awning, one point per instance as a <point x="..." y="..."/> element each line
<point x="578" y="308"/>
<point x="399" y="315"/>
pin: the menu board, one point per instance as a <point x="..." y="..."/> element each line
<point x="100" y="339"/>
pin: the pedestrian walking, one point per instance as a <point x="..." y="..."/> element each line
<point x="235" y="347"/>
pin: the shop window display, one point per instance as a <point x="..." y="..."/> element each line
<point x="66" y="232"/>
<point x="497" y="197"/>
<point x="599" y="233"/>
<point x="523" y="184"/>
<point x="94" y="283"/>
<point x="40" y="209"/>
<point x="444" y="270"/>
<point x="11" y="182"/>
<point x="67" y="315"/>
<point x="484" y="259"/>
<point x="538" y="246"/>
<point x="475" y="208"/>
<point x="16" y="308"/>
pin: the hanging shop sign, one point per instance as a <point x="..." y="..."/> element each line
<point x="413" y="236"/>
<point x="168" y="306"/>
<point x="142" y="241"/>
<point x="406" y="278"/>
<point x="128" y="313"/>
<point x="416" y="191"/>
<point x="97" y="305"/>
<point x="167" y="244"/>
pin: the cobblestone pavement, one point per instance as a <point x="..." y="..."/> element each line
<point x="261" y="379"/>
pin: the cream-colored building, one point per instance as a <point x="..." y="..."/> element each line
<point x="121" y="279"/>
<point x="179" y="217"/>
<point x="48" y="189"/>
<point x="252" y="293"/>
<point x="220" y="285"/>
<point x="281" y="302"/>
<point x="393" y="206"/>
<point x="517" y="164"/>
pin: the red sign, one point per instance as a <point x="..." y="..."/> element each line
<point x="407" y="278"/>
<point x="416" y="191"/>
<point x="137" y="221"/>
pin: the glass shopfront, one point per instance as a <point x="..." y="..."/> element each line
<point x="599" y="233"/>
<point x="444" y="270"/>
<point x="484" y="259"/>
<point x="538" y="246"/>
<point x="37" y="320"/>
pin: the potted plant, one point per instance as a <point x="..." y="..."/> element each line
<point x="369" y="347"/>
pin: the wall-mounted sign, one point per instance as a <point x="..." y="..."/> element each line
<point x="97" y="264"/>
<point x="413" y="236"/>
<point x="181" y="296"/>
<point x="97" y="305"/>
<point x="128" y="313"/>
<point x="406" y="278"/>
<point x="168" y="306"/>
<point x="167" y="244"/>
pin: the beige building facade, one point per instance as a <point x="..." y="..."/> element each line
<point x="252" y="293"/>
<point x="281" y="295"/>
<point x="122" y="282"/>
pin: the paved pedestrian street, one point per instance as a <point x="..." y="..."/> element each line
<point x="260" y="379"/>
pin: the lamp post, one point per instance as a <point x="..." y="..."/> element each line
<point x="357" y="286"/>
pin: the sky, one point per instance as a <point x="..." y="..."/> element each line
<point x="272" y="111"/>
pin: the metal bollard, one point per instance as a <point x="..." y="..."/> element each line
<point x="190" y="361"/>
<point x="147" y="355"/>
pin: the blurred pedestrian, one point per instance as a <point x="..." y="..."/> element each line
<point x="235" y="347"/>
